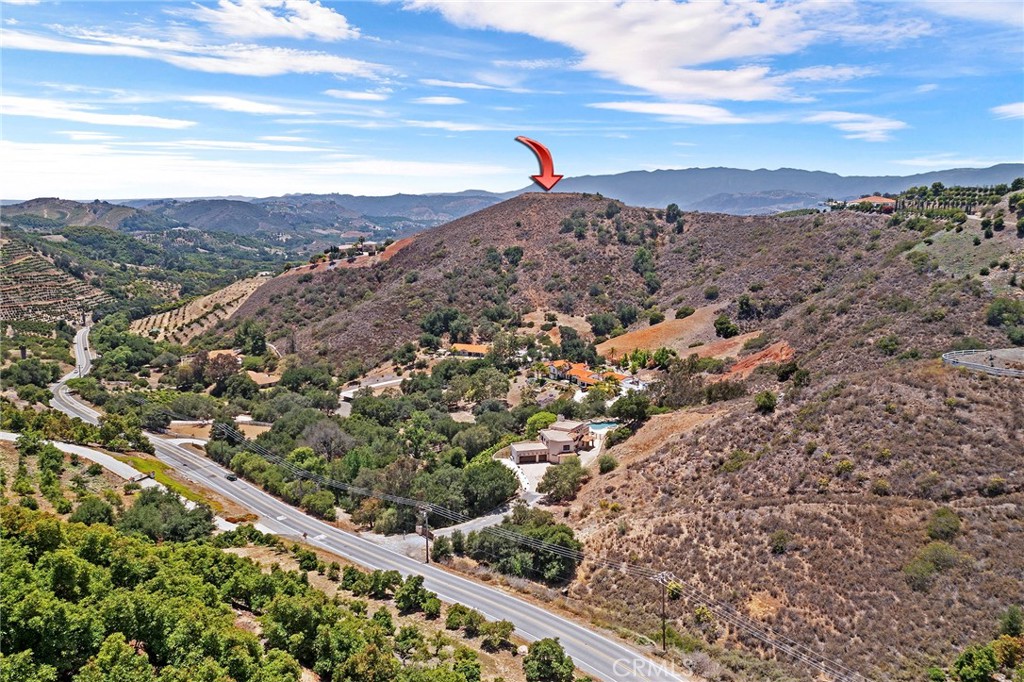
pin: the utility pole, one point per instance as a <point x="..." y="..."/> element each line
<point x="663" y="579"/>
<point x="664" y="619"/>
<point x="424" y="529"/>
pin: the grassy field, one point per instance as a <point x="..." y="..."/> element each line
<point x="159" y="471"/>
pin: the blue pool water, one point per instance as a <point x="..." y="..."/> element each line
<point x="603" y="426"/>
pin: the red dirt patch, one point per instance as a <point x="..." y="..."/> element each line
<point x="779" y="351"/>
<point x="724" y="348"/>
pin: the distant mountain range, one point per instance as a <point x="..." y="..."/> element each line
<point x="746" y="192"/>
<point x="720" y="190"/>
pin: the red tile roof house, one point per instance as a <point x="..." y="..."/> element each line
<point x="560" y="440"/>
<point x="885" y="204"/>
<point x="580" y="373"/>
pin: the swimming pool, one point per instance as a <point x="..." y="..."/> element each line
<point x="601" y="427"/>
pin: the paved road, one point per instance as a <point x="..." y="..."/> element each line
<point x="595" y="654"/>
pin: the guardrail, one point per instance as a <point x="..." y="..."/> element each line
<point x="953" y="359"/>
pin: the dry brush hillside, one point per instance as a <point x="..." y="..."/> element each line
<point x="847" y="470"/>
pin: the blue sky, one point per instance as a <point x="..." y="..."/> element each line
<point x="119" y="100"/>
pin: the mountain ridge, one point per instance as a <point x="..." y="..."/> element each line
<point x="720" y="188"/>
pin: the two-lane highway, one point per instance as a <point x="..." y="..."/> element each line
<point x="594" y="653"/>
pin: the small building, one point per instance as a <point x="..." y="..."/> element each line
<point x="580" y="373"/>
<point x="528" y="452"/>
<point x="877" y="203"/>
<point x="470" y="350"/>
<point x="262" y="379"/>
<point x="562" y="439"/>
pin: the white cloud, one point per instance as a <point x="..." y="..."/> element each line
<point x="236" y="59"/>
<point x="81" y="113"/>
<point x="282" y="138"/>
<point x="88" y="136"/>
<point x="1012" y="110"/>
<point x="454" y="126"/>
<point x="997" y="11"/>
<point x="866" y="127"/>
<point x="460" y="85"/>
<point x="926" y="87"/>
<point x="443" y="101"/>
<point x="659" y="47"/>
<point x="224" y="145"/>
<point x="88" y="171"/>
<point x="276" y="19"/>
<point x="949" y="160"/>
<point x="532" y="64"/>
<point x="354" y="95"/>
<point x="20" y="2"/>
<point x="240" y="105"/>
<point x="678" y="112"/>
<point x="835" y="74"/>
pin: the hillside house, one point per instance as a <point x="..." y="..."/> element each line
<point x="562" y="439"/>
<point x="470" y="350"/>
<point x="262" y="379"/>
<point x="581" y="374"/>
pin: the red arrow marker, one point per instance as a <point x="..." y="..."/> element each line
<point x="547" y="178"/>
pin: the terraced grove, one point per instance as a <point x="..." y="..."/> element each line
<point x="192" y="319"/>
<point x="31" y="288"/>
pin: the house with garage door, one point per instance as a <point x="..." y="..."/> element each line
<point x="562" y="439"/>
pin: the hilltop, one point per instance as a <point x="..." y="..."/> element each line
<point x="362" y="314"/>
<point x="816" y="517"/>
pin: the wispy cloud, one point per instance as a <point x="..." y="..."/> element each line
<point x="88" y="136"/>
<point x="859" y="126"/>
<point x="704" y="114"/>
<point x="89" y="170"/>
<point x="443" y="101"/>
<point x="275" y="19"/>
<point x="357" y="95"/>
<point x="224" y="145"/>
<point x="926" y="87"/>
<point x="532" y="64"/>
<point x="674" y="50"/>
<point x="459" y="85"/>
<point x="240" y="105"/>
<point x="81" y="113"/>
<point x="1012" y="110"/>
<point x="238" y="59"/>
<point x="283" y="138"/>
<point x="997" y="11"/>
<point x="833" y="74"/>
<point x="455" y="126"/>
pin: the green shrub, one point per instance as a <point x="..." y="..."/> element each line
<point x="944" y="524"/>
<point x="606" y="463"/>
<point x="779" y="541"/>
<point x="765" y="402"/>
<point x="684" y="312"/>
<point x="725" y="327"/>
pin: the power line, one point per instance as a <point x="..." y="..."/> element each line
<point x="667" y="579"/>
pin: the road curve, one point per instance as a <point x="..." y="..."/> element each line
<point x="597" y="655"/>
